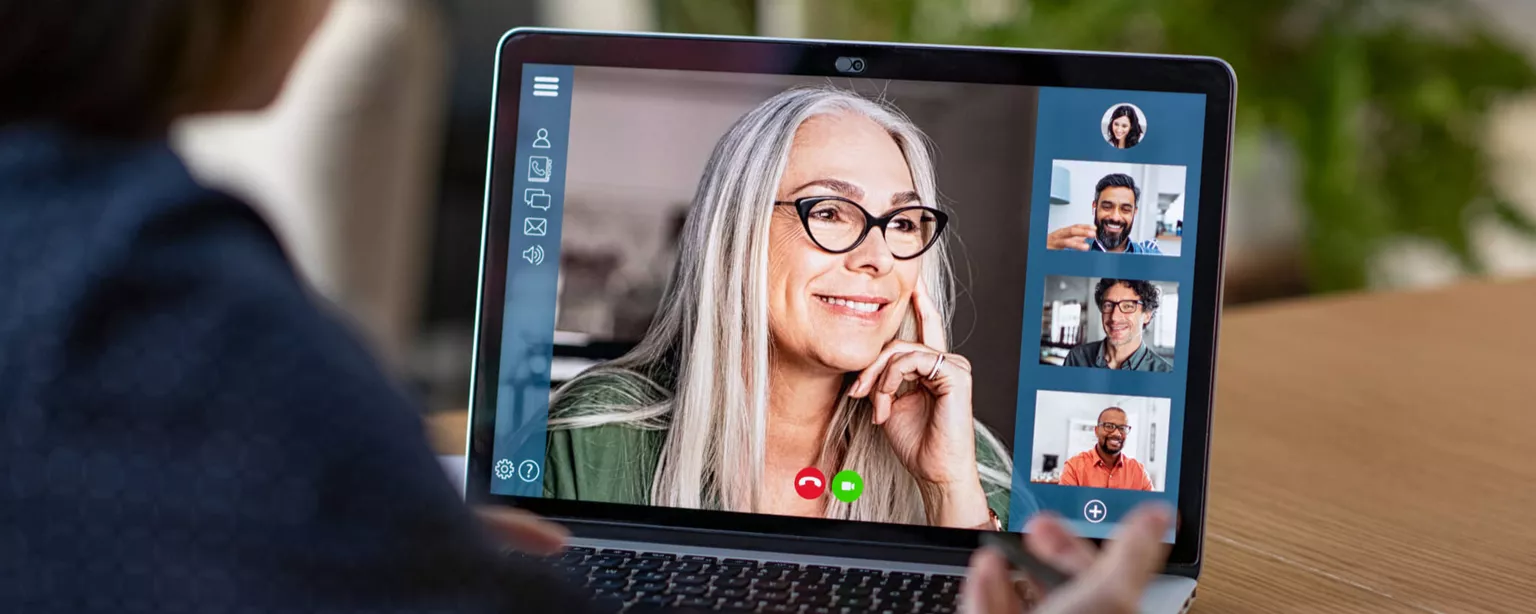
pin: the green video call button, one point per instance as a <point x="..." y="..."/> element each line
<point x="847" y="486"/>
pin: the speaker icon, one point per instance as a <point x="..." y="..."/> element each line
<point x="534" y="255"/>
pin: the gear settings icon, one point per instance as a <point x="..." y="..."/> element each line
<point x="504" y="469"/>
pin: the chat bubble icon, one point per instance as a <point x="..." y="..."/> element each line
<point x="537" y="198"/>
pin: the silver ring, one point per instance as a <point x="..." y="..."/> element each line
<point x="937" y="362"/>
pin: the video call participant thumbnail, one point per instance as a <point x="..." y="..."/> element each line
<point x="803" y="326"/>
<point x="1106" y="465"/>
<point x="1125" y="127"/>
<point x="1115" y="204"/>
<point x="1126" y="308"/>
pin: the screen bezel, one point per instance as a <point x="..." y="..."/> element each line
<point x="1035" y="68"/>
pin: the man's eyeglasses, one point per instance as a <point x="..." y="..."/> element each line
<point x="1110" y="426"/>
<point x="838" y="225"/>
<point x="1130" y="306"/>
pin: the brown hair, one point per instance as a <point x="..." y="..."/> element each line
<point x="113" y="66"/>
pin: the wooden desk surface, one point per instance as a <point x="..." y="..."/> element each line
<point x="1371" y="453"/>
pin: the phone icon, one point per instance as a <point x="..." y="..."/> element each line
<point x="540" y="169"/>
<point x="810" y="483"/>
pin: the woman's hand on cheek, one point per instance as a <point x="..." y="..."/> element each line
<point x="931" y="427"/>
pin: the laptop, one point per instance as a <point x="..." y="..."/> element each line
<point x="787" y="325"/>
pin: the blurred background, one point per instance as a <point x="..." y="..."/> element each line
<point x="1380" y="143"/>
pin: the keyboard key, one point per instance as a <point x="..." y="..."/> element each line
<point x="814" y="588"/>
<point x="907" y="575"/>
<point x="690" y="579"/>
<point x="605" y="561"/>
<point x="852" y="591"/>
<point x="805" y="576"/>
<point x="729" y="582"/>
<point x="780" y="608"/>
<point x="682" y="567"/>
<point x="827" y="569"/>
<point x="765" y="573"/>
<point x="663" y="556"/>
<point x="781" y="565"/>
<point x="581" y="549"/>
<point x="651" y="576"/>
<point x="732" y="593"/>
<point x="639" y="564"/>
<point x="942" y="608"/>
<point x="740" y="604"/>
<point x="649" y="587"/>
<point x="823" y="599"/>
<point x="571" y="557"/>
<point x="695" y="558"/>
<point x="656" y="600"/>
<point x="772" y="596"/>
<point x="772" y="585"/>
<point x="696" y="602"/>
<point x="738" y="563"/>
<point x="690" y="590"/>
<point x="857" y="603"/>
<point x="608" y="583"/>
<point x="864" y="576"/>
<point x="616" y="552"/>
<point x="604" y="574"/>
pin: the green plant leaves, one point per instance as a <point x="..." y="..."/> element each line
<point x="1384" y="102"/>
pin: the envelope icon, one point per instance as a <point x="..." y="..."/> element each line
<point x="535" y="226"/>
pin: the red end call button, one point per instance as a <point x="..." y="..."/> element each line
<point x="810" y="483"/>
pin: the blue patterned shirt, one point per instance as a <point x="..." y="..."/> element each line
<point x="1133" y="247"/>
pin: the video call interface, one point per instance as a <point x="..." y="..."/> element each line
<point x="935" y="303"/>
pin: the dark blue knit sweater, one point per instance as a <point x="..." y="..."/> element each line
<point x="184" y="429"/>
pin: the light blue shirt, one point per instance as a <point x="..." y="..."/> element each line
<point x="1134" y="247"/>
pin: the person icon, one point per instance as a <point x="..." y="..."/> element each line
<point x="541" y="139"/>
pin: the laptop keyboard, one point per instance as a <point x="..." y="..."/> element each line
<point x="630" y="581"/>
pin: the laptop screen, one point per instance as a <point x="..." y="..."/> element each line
<point x="931" y="303"/>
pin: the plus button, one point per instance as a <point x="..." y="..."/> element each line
<point x="1095" y="511"/>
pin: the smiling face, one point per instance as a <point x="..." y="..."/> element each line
<point x="836" y="312"/>
<point x="1113" y="215"/>
<point x="1111" y="440"/>
<point x="1120" y="127"/>
<point x="1123" y="330"/>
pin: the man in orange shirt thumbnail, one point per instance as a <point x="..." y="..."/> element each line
<point x="1105" y="465"/>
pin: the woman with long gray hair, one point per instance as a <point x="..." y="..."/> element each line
<point x="805" y="325"/>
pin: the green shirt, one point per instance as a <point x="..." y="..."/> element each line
<point x="616" y="463"/>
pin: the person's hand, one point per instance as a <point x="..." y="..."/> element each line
<point x="523" y="530"/>
<point x="930" y="428"/>
<point x="1071" y="237"/>
<point x="1110" y="581"/>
